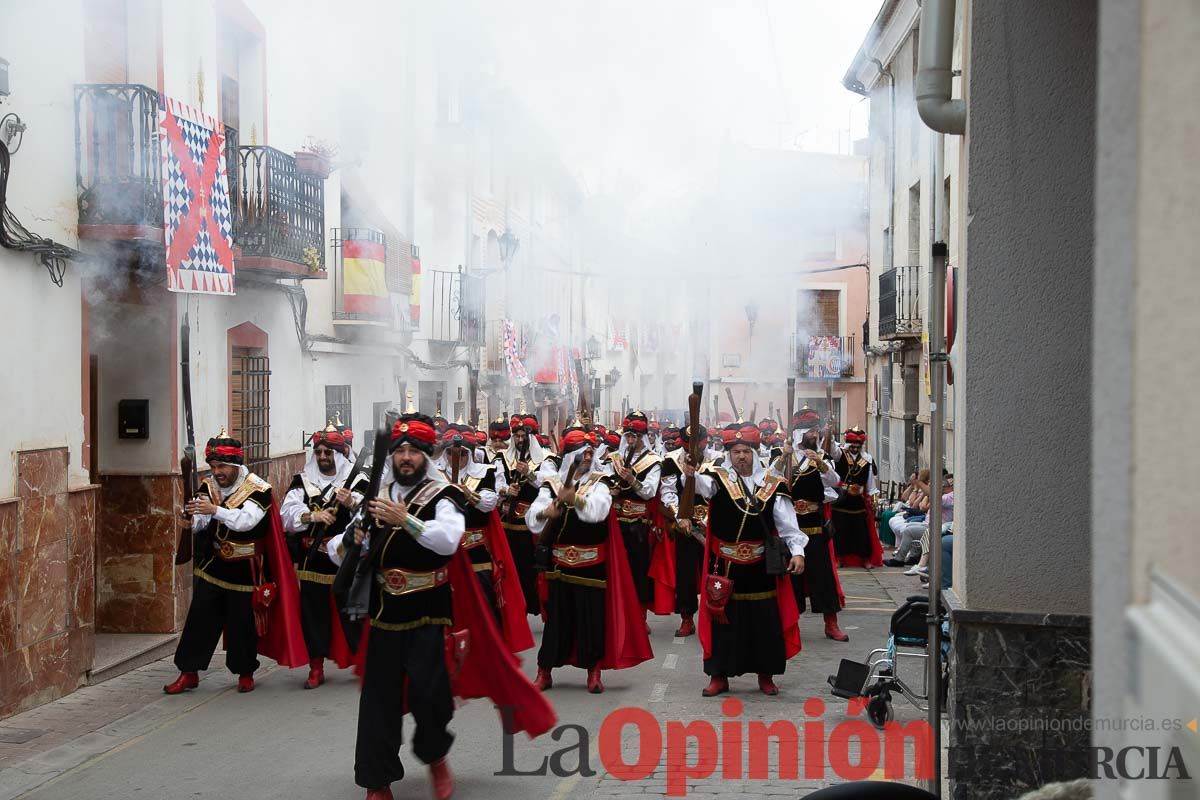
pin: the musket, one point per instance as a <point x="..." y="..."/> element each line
<point x="318" y="532"/>
<point x="584" y="406"/>
<point x="732" y="405"/>
<point x="549" y="534"/>
<point x="791" y="400"/>
<point x="347" y="584"/>
<point x="687" y="500"/>
<point x="753" y="414"/>
<point x="187" y="464"/>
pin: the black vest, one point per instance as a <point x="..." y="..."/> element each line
<point x="226" y="564"/>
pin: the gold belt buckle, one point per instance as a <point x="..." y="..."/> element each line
<point x="472" y="538"/>
<point x="227" y="550"/>
<point x="520" y="509"/>
<point x="399" y="582"/>
<point x="630" y="508"/>
<point x="854" y="489"/>
<point x="807" y="506"/>
<point x="700" y="513"/>
<point x="572" y="555"/>
<point x="742" y="551"/>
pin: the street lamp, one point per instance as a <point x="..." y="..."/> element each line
<point x="509" y="245"/>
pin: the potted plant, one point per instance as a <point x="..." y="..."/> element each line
<point x="316" y="157"/>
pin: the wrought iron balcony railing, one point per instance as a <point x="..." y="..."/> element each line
<point x="280" y="214"/>
<point x="118" y="166"/>
<point x="823" y="357"/>
<point x="457" y="308"/>
<point x="899" y="303"/>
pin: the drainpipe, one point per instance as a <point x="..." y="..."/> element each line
<point x="934" y="79"/>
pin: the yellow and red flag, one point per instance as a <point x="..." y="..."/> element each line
<point x="364" y="290"/>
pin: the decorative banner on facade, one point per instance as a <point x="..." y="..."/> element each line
<point x="197" y="218"/>
<point x="617" y="340"/>
<point x="825" y="357"/>
<point x="364" y="271"/>
<point x="414" y="300"/>
<point x="517" y="375"/>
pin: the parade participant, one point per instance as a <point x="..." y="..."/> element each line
<point x="671" y="439"/>
<point x="635" y="474"/>
<point x="412" y="552"/>
<point x="748" y="620"/>
<point x="240" y="553"/>
<point x="519" y="464"/>
<point x="484" y="540"/>
<point x="653" y="437"/>
<point x="767" y="428"/>
<point x="813" y="483"/>
<point x="498" y="435"/>
<point x="347" y="436"/>
<point x="593" y="618"/>
<point x="855" y="539"/>
<point x="688" y="535"/>
<point x="317" y="507"/>
<point x="714" y="452"/>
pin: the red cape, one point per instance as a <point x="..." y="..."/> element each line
<point x="284" y="642"/>
<point x="507" y="586"/>
<point x="853" y="560"/>
<point x="489" y="669"/>
<point x="662" y="563"/>
<point x="339" y="648"/>
<point x="626" y="643"/>
<point x="789" y="614"/>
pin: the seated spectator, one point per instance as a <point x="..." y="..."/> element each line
<point x="908" y="525"/>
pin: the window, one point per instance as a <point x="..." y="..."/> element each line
<point x="818" y="312"/>
<point x="250" y="404"/>
<point x="338" y="406"/>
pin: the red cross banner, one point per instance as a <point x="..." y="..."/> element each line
<point x="197" y="215"/>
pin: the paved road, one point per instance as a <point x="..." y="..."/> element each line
<point x="124" y="739"/>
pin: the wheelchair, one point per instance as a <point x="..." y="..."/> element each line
<point x="885" y="670"/>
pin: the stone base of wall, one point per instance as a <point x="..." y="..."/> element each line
<point x="1019" y="703"/>
<point x="47" y="583"/>
<point x="140" y="590"/>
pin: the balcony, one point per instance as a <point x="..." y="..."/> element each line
<point x="823" y="357"/>
<point x="360" y="293"/>
<point x="118" y="165"/>
<point x="457" y="308"/>
<point x="899" y="303"/>
<point x="279" y="215"/>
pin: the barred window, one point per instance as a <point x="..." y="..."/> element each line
<point x="250" y="405"/>
<point x="337" y="404"/>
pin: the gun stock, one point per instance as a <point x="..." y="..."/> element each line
<point x="187" y="470"/>
<point x="687" y="500"/>
<point x="791" y="405"/>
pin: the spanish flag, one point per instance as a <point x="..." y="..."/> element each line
<point x="364" y="290"/>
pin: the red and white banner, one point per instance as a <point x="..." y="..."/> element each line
<point x="197" y="216"/>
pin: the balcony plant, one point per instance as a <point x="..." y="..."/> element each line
<point x="316" y="157"/>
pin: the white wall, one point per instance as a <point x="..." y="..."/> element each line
<point x="40" y="397"/>
<point x="292" y="393"/>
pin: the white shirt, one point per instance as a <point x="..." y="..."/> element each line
<point x="830" y="479"/>
<point x="597" y="501"/>
<point x="238" y="520"/>
<point x="295" y="502"/>
<point x="783" y="512"/>
<point x="488" y="498"/>
<point x="442" y="534"/>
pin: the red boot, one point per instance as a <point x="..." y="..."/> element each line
<point x="543" y="681"/>
<point x="443" y="781"/>
<point x="245" y="683"/>
<point x="767" y="686"/>
<point x="380" y="794"/>
<point x="686" y="626"/>
<point x="715" y="687"/>
<point x="833" y="631"/>
<point x="316" y="673"/>
<point x="594" y="685"/>
<point x="185" y="681"/>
